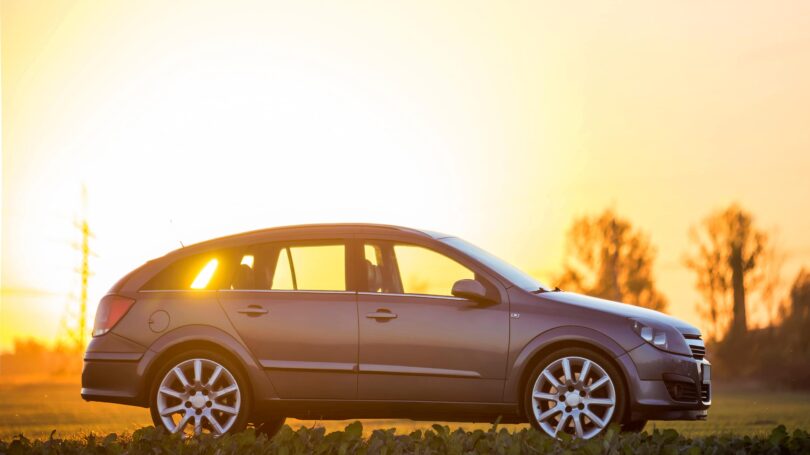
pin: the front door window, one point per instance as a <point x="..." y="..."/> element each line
<point x="411" y="269"/>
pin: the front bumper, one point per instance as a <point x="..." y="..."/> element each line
<point x="665" y="386"/>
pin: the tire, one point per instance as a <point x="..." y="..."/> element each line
<point x="581" y="408"/>
<point x="635" y="426"/>
<point x="269" y="426"/>
<point x="192" y="399"/>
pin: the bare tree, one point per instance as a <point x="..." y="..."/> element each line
<point x="608" y="258"/>
<point x="732" y="260"/>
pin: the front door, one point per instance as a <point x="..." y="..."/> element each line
<point x="417" y="341"/>
<point x="290" y="304"/>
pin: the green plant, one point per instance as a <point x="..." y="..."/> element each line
<point x="437" y="440"/>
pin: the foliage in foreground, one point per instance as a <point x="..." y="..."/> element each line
<point x="438" y="440"/>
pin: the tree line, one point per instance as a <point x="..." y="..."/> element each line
<point x="735" y="268"/>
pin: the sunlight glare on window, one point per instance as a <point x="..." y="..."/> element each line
<point x="205" y="275"/>
<point x="247" y="260"/>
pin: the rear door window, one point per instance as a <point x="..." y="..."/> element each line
<point x="309" y="268"/>
<point x="283" y="276"/>
<point x="319" y="268"/>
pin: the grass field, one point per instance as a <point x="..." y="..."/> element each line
<point x="37" y="409"/>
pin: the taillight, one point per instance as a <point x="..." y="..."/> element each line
<point x="110" y="310"/>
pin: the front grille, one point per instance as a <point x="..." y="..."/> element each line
<point x="696" y="345"/>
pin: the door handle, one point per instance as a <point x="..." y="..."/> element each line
<point x="252" y="310"/>
<point x="381" y="315"/>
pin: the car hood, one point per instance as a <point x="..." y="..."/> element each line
<point x="619" y="309"/>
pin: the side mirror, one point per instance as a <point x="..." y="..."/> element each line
<point x="471" y="289"/>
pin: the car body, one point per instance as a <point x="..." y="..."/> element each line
<point x="338" y="321"/>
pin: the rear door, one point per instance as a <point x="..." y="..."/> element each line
<point x="291" y="304"/>
<point x="417" y="341"/>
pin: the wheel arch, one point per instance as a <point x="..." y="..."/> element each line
<point x="561" y="338"/>
<point x="206" y="338"/>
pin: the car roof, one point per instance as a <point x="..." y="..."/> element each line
<point x="315" y="228"/>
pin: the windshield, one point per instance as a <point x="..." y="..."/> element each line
<point x="518" y="277"/>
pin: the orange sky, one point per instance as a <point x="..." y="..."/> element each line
<point x="496" y="121"/>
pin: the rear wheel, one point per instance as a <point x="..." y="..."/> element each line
<point x="574" y="391"/>
<point x="200" y="392"/>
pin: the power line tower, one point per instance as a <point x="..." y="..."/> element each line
<point x="74" y="324"/>
<point x="84" y="271"/>
<point x="85" y="274"/>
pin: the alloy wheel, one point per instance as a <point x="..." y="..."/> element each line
<point x="573" y="395"/>
<point x="198" y="396"/>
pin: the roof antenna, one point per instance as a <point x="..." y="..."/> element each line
<point x="171" y="222"/>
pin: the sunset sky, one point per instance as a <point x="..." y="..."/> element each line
<point x="496" y="121"/>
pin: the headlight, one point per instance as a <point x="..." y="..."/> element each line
<point x="655" y="337"/>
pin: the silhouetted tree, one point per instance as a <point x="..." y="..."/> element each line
<point x="777" y="354"/>
<point x="800" y="300"/>
<point x="732" y="259"/>
<point x="608" y="258"/>
<point x="797" y="320"/>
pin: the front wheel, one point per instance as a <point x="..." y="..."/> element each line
<point x="574" y="391"/>
<point x="200" y="392"/>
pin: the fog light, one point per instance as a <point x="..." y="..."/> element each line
<point x="682" y="391"/>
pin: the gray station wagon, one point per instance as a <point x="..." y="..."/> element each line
<point x="340" y="321"/>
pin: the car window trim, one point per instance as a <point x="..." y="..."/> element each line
<point x="311" y="291"/>
<point x="297" y="291"/>
<point x="429" y="296"/>
<point x="178" y="290"/>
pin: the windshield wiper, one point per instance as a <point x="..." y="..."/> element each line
<point x="544" y="290"/>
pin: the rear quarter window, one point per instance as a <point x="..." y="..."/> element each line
<point x="208" y="270"/>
